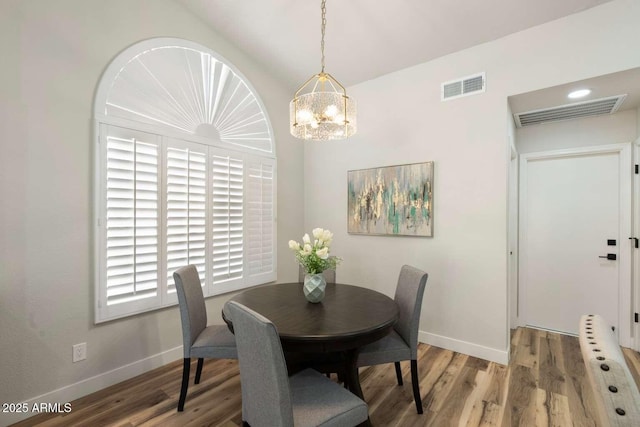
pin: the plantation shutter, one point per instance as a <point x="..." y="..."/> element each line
<point x="184" y="174"/>
<point x="186" y="199"/>
<point x="260" y="233"/>
<point x="227" y="218"/>
<point x="131" y="216"/>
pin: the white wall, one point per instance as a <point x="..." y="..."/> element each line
<point x="401" y="120"/>
<point x="589" y="131"/>
<point x="53" y="54"/>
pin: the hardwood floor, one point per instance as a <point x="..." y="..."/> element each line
<point x="545" y="385"/>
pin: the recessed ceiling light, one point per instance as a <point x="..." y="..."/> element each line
<point x="579" y="93"/>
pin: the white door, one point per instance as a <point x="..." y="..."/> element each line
<point x="575" y="210"/>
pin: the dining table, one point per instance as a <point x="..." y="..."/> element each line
<point x="325" y="335"/>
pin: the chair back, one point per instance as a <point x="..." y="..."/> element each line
<point x="408" y="297"/>
<point x="193" y="311"/>
<point x="266" y="397"/>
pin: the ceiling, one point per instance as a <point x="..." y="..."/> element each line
<point x="365" y="38"/>
<point x="620" y="83"/>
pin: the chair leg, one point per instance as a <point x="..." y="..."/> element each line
<point x="198" y="370"/>
<point x="416" y="385"/>
<point x="398" y="372"/>
<point x="186" y="367"/>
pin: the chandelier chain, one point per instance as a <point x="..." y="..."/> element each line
<point x="323" y="7"/>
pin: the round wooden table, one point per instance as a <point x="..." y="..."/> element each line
<point x="347" y="318"/>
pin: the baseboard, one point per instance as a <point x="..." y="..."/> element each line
<point x="464" y="347"/>
<point x="90" y="385"/>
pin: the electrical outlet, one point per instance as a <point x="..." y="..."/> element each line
<point x="79" y="352"/>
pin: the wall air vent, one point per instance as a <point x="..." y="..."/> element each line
<point x="462" y="87"/>
<point x="577" y="110"/>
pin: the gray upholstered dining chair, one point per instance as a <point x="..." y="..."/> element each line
<point x="198" y="339"/>
<point x="402" y="342"/>
<point x="269" y="397"/>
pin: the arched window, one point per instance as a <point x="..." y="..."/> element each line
<point x="185" y="174"/>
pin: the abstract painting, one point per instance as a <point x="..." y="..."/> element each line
<point x="391" y="200"/>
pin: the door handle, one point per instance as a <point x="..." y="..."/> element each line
<point x="611" y="257"/>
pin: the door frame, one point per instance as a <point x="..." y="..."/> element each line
<point x="635" y="270"/>
<point x="625" y="303"/>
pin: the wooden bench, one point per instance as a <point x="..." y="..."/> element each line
<point x="616" y="393"/>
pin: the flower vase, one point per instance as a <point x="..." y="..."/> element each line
<point x="314" y="286"/>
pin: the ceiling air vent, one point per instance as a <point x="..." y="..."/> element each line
<point x="463" y="87"/>
<point x="594" y="107"/>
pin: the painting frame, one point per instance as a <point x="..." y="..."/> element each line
<point x="394" y="200"/>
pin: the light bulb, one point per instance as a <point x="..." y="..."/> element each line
<point x="331" y="111"/>
<point x="304" y="116"/>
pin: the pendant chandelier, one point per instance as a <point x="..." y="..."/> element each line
<point x="320" y="109"/>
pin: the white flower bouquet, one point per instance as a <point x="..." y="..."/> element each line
<point x="315" y="258"/>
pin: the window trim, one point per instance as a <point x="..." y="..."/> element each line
<point x="163" y="136"/>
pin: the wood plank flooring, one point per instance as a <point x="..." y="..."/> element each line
<point x="545" y="385"/>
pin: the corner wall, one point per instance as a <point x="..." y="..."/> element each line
<point x="401" y="120"/>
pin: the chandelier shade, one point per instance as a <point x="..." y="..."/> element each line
<point x="324" y="113"/>
<point x="320" y="109"/>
